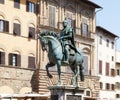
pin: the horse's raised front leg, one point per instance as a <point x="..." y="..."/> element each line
<point x="59" y="72"/>
<point x="47" y="66"/>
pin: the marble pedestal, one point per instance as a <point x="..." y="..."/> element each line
<point x="66" y="93"/>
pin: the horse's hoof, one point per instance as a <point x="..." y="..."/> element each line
<point x="49" y="75"/>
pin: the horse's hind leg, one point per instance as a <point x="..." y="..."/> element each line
<point x="76" y="73"/>
<point x="47" y="66"/>
<point x="81" y="72"/>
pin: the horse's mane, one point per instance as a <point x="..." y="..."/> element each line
<point x="50" y="33"/>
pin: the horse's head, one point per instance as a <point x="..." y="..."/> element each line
<point x="43" y="42"/>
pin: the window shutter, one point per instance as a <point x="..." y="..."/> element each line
<point x="2" y="57"/>
<point x="27" y="5"/>
<point x="17" y="29"/>
<point x="85" y="64"/>
<point x="6" y="26"/>
<point x="107" y="68"/>
<point x="18" y="60"/>
<point x="37" y="8"/>
<point x="112" y="72"/>
<point x="32" y="32"/>
<point x="17" y="4"/>
<point x="100" y="67"/>
<point x="31" y="62"/>
<point x="2" y="1"/>
<point x="10" y="58"/>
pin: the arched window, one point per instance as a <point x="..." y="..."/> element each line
<point x="31" y="61"/>
<point x="4" y="25"/>
<point x="15" y="59"/>
<point x="31" y="31"/>
<point x="16" y="27"/>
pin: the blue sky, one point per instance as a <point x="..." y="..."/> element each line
<point x="109" y="17"/>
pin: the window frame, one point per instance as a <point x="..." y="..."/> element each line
<point x="17" y="29"/>
<point x="17" y="4"/>
<point x="30" y="6"/>
<point x="17" y="59"/>
<point x="5" y="25"/>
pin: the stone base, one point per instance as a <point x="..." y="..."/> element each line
<point x="66" y="93"/>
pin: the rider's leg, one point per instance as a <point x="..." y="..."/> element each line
<point x="66" y="53"/>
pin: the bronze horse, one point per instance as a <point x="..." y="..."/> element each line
<point x="55" y="56"/>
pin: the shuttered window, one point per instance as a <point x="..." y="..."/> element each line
<point x="31" y="62"/>
<point x="31" y="33"/>
<point x="16" y="29"/>
<point x="100" y="67"/>
<point x="101" y="85"/>
<point x="85" y="64"/>
<point x="17" y="4"/>
<point x="14" y="59"/>
<point x="2" y="57"/>
<point x="84" y="28"/>
<point x="71" y="22"/>
<point x="4" y="26"/>
<point x="30" y="6"/>
<point x="52" y="16"/>
<point x="107" y="69"/>
<point x="112" y="72"/>
<point x="112" y="87"/>
<point x="107" y="86"/>
<point x="2" y="1"/>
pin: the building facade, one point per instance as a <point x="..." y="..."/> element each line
<point x="105" y="62"/>
<point x="117" y="75"/>
<point x="22" y="62"/>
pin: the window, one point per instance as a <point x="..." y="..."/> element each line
<point x="2" y="57"/>
<point x="112" y="45"/>
<point x="52" y="16"/>
<point x="112" y="72"/>
<point x="16" y="29"/>
<point x="117" y="96"/>
<point x="107" y="69"/>
<point x="2" y="1"/>
<point x="100" y="41"/>
<point x="112" y="87"/>
<point x="118" y="72"/>
<point x="100" y="67"/>
<point x="107" y="43"/>
<point x="31" y="62"/>
<point x="17" y="4"/>
<point x="112" y="58"/>
<point x="117" y="85"/>
<point x="71" y="22"/>
<point x="30" y="6"/>
<point x="107" y="86"/>
<point x="84" y="28"/>
<point x="14" y="59"/>
<point x="31" y="32"/>
<point x="101" y="85"/>
<point x="4" y="26"/>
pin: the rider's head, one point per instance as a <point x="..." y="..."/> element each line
<point x="65" y="23"/>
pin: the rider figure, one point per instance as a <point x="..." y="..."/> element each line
<point x="67" y="37"/>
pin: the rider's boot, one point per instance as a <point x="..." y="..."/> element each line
<point x="66" y="57"/>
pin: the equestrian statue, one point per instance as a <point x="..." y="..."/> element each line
<point x="63" y="52"/>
